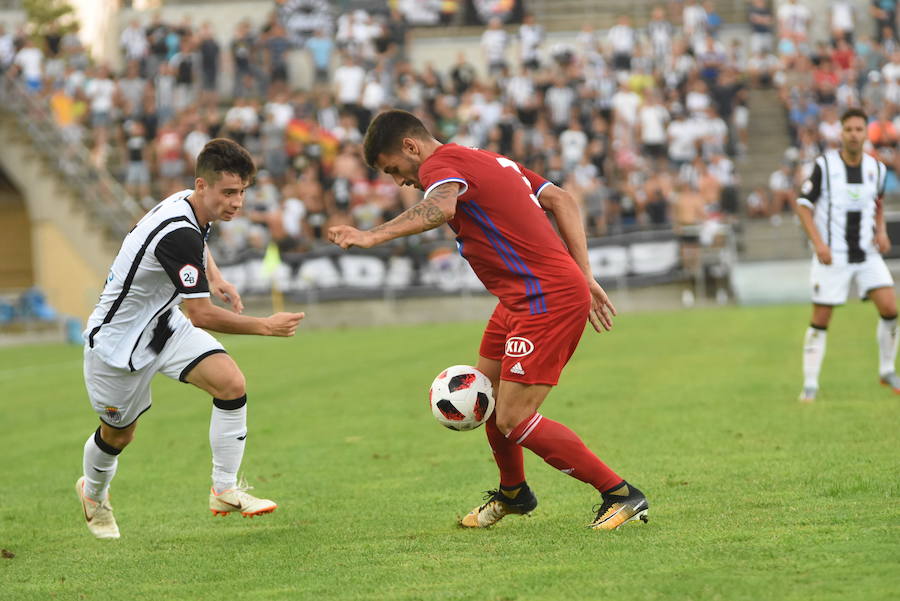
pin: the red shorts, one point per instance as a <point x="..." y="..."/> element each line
<point x="533" y="349"/>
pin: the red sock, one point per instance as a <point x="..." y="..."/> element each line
<point x="561" y="448"/>
<point x="507" y="454"/>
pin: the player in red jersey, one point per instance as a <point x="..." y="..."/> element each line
<point x="546" y="291"/>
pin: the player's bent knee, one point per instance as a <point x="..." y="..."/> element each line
<point x="232" y="386"/>
<point x="507" y="422"/>
<point x="115" y="438"/>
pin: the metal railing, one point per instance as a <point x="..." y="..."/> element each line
<point x="105" y="199"/>
<point x="589" y="11"/>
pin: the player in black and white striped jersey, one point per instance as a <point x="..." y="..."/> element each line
<point x="841" y="211"/>
<point x="137" y="330"/>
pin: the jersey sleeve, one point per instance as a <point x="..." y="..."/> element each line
<point x="538" y="183"/>
<point x="439" y="170"/>
<point x="882" y="179"/>
<point x="811" y="189"/>
<point x="180" y="253"/>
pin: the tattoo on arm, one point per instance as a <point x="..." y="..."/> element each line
<point x="423" y="216"/>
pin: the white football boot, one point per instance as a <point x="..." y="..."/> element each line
<point x="98" y="515"/>
<point x="238" y="499"/>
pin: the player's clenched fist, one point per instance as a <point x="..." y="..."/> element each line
<point x="284" y="324"/>
<point x="346" y="236"/>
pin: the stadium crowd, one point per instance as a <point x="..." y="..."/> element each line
<point x="818" y="79"/>
<point x="643" y="125"/>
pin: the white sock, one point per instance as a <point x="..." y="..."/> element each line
<point x="99" y="466"/>
<point x="227" y="433"/>
<point x="813" y="354"/>
<point x="886" y="334"/>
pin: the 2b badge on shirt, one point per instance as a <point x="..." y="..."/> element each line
<point x="189" y="275"/>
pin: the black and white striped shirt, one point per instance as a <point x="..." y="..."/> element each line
<point x="162" y="260"/>
<point x="844" y="200"/>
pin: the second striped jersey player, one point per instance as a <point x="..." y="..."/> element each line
<point x="840" y="208"/>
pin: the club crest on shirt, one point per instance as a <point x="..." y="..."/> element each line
<point x="807" y="187"/>
<point x="188" y="276"/>
<point x="518" y="347"/>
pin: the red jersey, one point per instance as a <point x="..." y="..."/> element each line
<point x="502" y="230"/>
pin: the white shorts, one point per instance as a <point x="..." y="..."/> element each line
<point x="831" y="283"/>
<point x="120" y="396"/>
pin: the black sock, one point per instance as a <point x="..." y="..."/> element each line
<point x="511" y="492"/>
<point x="619" y="490"/>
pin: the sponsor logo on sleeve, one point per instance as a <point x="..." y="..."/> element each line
<point x="189" y="276"/>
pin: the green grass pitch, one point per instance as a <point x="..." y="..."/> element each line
<point x="753" y="495"/>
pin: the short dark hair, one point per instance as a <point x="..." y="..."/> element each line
<point x="221" y="155"/>
<point x="854" y="112"/>
<point x="387" y="131"/>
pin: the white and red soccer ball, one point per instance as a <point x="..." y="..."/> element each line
<point x="461" y="398"/>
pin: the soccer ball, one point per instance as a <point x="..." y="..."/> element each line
<point x="461" y="398"/>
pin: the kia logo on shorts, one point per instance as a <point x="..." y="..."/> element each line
<point x="518" y="347"/>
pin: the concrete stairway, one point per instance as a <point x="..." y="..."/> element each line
<point x="761" y="240"/>
<point x="77" y="215"/>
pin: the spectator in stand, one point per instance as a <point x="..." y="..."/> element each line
<point x="573" y="143"/>
<point x="165" y="91"/>
<point x="883" y="136"/>
<point x="494" y="41"/>
<point x="793" y="22"/>
<point x="721" y="168"/>
<point x="7" y="49"/>
<point x="156" y="33"/>
<point x="660" y="33"/>
<point x="761" y="21"/>
<point x="694" y="21"/>
<point x="890" y="73"/>
<point x="757" y="204"/>
<point x="683" y="135"/>
<point x="185" y="66"/>
<point x="689" y="213"/>
<point x="462" y="74"/>
<point x="761" y="69"/>
<point x="653" y="120"/>
<point x="101" y="89"/>
<point x="134" y="43"/>
<point x="781" y="187"/>
<point x="825" y="81"/>
<point x="210" y="63"/>
<point x="349" y="80"/>
<point x="169" y="157"/>
<point x="714" y="20"/>
<point x="884" y="12"/>
<point x="131" y="91"/>
<point x="243" y="48"/>
<point x="276" y="47"/>
<point x="841" y="21"/>
<point x="622" y="40"/>
<point x="321" y="47"/>
<point x="30" y="61"/>
<point x="531" y="36"/>
<point x="830" y="128"/>
<point x="843" y="57"/>
<point x="137" y="175"/>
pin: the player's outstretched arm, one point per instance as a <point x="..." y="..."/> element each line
<point x="206" y="315"/>
<point x="571" y="228"/>
<point x="435" y="209"/>
<point x="222" y="288"/>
